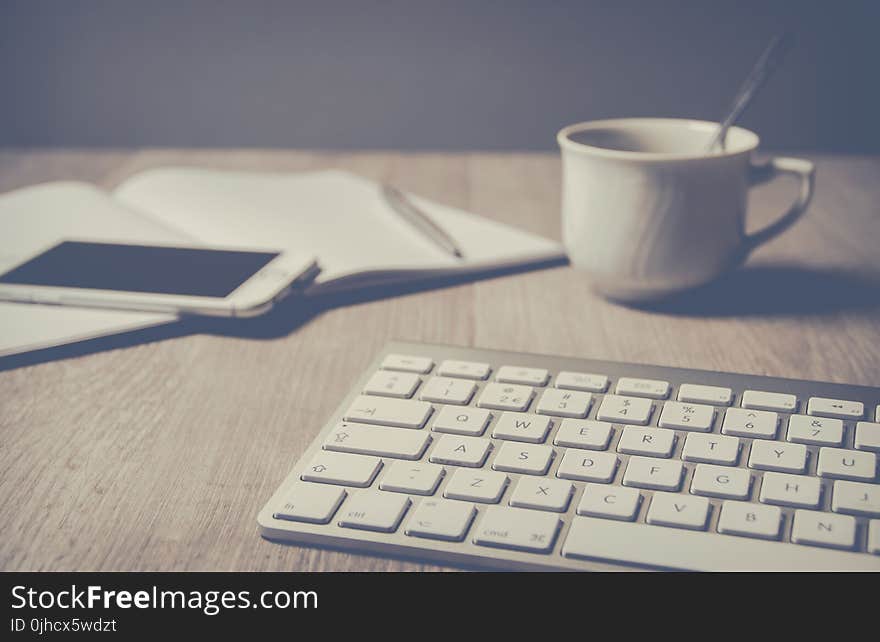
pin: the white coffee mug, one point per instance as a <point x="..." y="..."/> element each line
<point x="647" y="211"/>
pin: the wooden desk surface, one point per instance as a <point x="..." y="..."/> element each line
<point x="157" y="454"/>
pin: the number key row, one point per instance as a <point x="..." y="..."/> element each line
<point x="385" y="382"/>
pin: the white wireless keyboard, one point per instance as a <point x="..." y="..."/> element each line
<point x="505" y="460"/>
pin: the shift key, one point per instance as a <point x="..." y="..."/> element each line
<point x="404" y="413"/>
<point x="342" y="469"/>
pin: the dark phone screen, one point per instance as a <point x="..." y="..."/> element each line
<point x="140" y="268"/>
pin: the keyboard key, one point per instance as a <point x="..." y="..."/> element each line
<point x="856" y="498"/>
<point x="721" y="481"/>
<point x="759" y="400"/>
<point x="505" y="396"/>
<point x="695" y="393"/>
<point x="823" y="407"/>
<point x="778" y="456"/>
<point x="462" y="421"/>
<point x="313" y="503"/>
<point x="417" y="478"/>
<point x="625" y="410"/>
<point x="522" y="426"/>
<point x="679" y="511"/>
<point x="464" y="369"/>
<point x="711" y="449"/>
<point x="612" y="502"/>
<point x="758" y="424"/>
<point x="542" y="494"/>
<point x="583" y="381"/>
<point x="523" y="458"/>
<point x="749" y="520"/>
<point x="342" y="469"/>
<point x="642" y="388"/>
<point x="407" y="363"/>
<point x="867" y="436"/>
<point x="518" y="529"/>
<point x="586" y="433"/>
<point x="404" y="413"/>
<point x="448" y="390"/>
<point x="381" y="441"/>
<point x="518" y="374"/>
<point x="803" y="429"/>
<point x="373" y="510"/>
<point x="687" y="416"/>
<point x="874" y="527"/>
<point x="565" y="403"/>
<point x="790" y="490"/>
<point x="649" y="472"/>
<point x="484" y="486"/>
<point x="823" y="529"/>
<point x="655" y="442"/>
<point x="839" y="463"/>
<point x="441" y="519"/>
<point x="592" y="538"/>
<point x="461" y="451"/>
<point x="584" y="465"/>
<point x="392" y="384"/>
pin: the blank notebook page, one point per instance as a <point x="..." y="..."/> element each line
<point x="339" y="217"/>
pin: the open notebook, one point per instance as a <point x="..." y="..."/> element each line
<point x="338" y="217"/>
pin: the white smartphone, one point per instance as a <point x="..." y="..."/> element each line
<point x="155" y="278"/>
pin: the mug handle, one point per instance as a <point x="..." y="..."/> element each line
<point x="803" y="169"/>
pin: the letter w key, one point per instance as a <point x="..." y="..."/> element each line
<point x="522" y="426"/>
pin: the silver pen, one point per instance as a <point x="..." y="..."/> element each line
<point x="419" y="220"/>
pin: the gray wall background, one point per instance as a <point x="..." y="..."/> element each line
<point x="424" y="75"/>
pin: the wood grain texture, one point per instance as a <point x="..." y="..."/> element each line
<point x="158" y="455"/>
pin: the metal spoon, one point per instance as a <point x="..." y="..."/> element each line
<point x="766" y="64"/>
